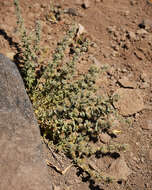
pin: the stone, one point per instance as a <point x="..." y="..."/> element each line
<point x="144" y="77"/>
<point x="81" y="30"/>
<point x="146" y="24"/>
<point x="132" y="2"/>
<point x="119" y="169"/>
<point x="22" y="163"/>
<point x="71" y="11"/>
<point x="95" y="61"/>
<point x="147" y="124"/>
<point x="92" y="165"/>
<point x="111" y="29"/>
<point x="56" y="187"/>
<point x="131" y="35"/>
<point x="129" y="101"/>
<point x="86" y="4"/>
<point x="125" y="82"/>
<point x="139" y="54"/>
<point x="144" y="85"/>
<point x="141" y="32"/>
<point x="104" y="138"/>
<point x="126" y="13"/>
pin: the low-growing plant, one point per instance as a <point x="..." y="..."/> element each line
<point x="54" y="13"/>
<point x="30" y="48"/>
<point x="70" y="114"/>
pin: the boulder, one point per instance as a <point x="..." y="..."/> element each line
<point x="22" y="165"/>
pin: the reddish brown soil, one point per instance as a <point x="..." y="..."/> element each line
<point x="124" y="46"/>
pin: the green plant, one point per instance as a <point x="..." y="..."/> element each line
<point x="54" y="13"/>
<point x="30" y="47"/>
<point x="70" y="114"/>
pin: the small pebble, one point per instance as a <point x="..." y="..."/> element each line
<point x="86" y="4"/>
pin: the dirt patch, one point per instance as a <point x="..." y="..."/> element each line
<point x="122" y="33"/>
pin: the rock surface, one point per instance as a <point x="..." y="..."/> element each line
<point x="104" y="138"/>
<point x="21" y="165"/>
<point x="125" y="82"/>
<point x="129" y="101"/>
<point x="119" y="169"/>
<point x="147" y="124"/>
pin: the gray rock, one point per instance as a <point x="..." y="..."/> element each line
<point x="71" y="11"/>
<point x="21" y="165"/>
